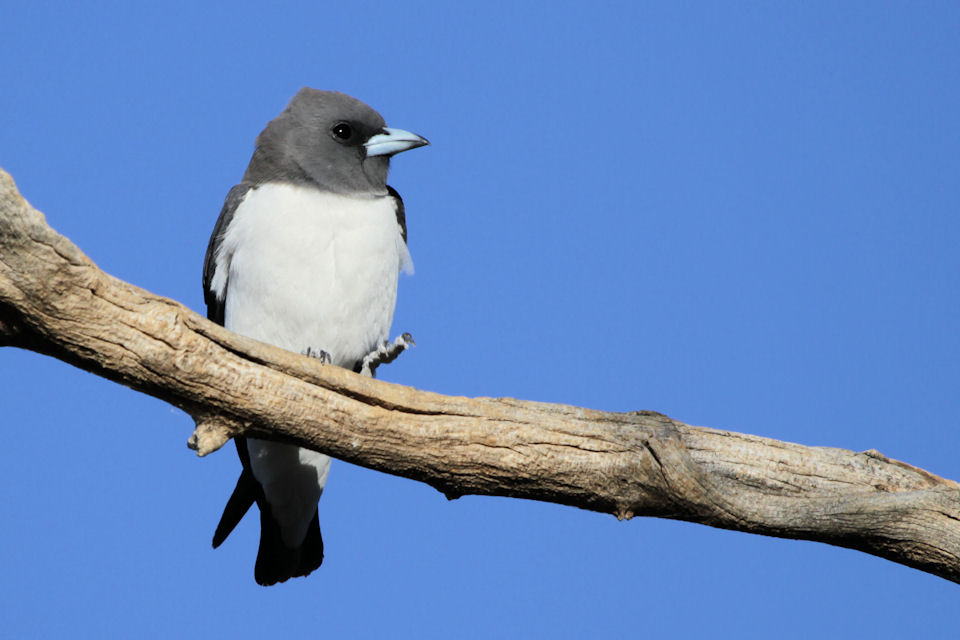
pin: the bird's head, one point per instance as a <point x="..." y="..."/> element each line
<point x="331" y="140"/>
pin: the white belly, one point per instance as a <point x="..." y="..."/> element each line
<point x="310" y="269"/>
<point x="303" y="269"/>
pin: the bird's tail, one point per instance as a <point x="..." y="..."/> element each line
<point x="276" y="562"/>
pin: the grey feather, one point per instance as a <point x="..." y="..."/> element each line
<point x="215" y="306"/>
<point x="296" y="146"/>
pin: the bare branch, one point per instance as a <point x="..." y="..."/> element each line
<point x="55" y="301"/>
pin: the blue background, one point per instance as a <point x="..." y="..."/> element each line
<point x="744" y="215"/>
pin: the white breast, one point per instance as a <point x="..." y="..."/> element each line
<point x="302" y="268"/>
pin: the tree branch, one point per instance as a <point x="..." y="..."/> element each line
<point x="55" y="301"/>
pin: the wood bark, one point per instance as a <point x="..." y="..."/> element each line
<point x="54" y="300"/>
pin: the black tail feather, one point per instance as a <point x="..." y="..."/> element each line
<point x="311" y="551"/>
<point x="276" y="562"/>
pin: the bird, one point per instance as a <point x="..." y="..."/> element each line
<point x="306" y="255"/>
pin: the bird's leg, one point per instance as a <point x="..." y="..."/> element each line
<point x="386" y="353"/>
<point x="319" y="354"/>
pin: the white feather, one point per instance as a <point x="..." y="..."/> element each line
<point x="302" y="268"/>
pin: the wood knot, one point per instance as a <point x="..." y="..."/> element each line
<point x="210" y="434"/>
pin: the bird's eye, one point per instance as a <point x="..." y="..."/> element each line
<point x="342" y="131"/>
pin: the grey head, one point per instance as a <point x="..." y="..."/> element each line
<point x="331" y="141"/>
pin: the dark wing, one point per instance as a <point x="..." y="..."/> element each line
<point x="401" y="213"/>
<point x="275" y="561"/>
<point x="215" y="307"/>
<point x="247" y="490"/>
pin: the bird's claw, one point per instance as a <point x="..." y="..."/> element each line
<point x="319" y="354"/>
<point x="386" y="353"/>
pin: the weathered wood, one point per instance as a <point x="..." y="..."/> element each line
<point x="55" y="301"/>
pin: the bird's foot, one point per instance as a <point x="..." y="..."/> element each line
<point x="319" y="354"/>
<point x="386" y="353"/>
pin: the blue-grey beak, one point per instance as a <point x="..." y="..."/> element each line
<point x="393" y="141"/>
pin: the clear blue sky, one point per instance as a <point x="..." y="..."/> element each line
<point x="744" y="215"/>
